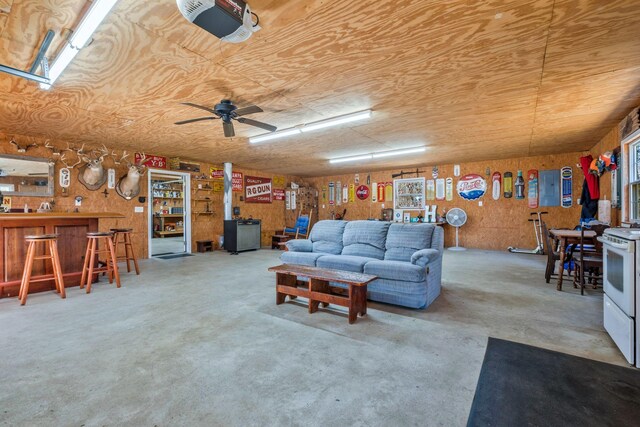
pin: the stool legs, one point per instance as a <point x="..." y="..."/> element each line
<point x="123" y="237"/>
<point x="52" y="244"/>
<point x="57" y="269"/>
<point x="89" y="267"/>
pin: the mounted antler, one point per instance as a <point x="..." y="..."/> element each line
<point x="93" y="176"/>
<point x="119" y="161"/>
<point x="55" y="151"/>
<point x="129" y="185"/>
<point x="64" y="162"/>
<point x="22" y="148"/>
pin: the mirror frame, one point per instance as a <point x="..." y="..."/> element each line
<point x="50" y="184"/>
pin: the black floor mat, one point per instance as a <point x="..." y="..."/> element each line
<point x="173" y="256"/>
<point x="521" y="385"/>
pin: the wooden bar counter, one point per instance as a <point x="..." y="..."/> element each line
<point x="72" y="231"/>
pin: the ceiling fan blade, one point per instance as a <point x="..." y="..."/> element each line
<point x="248" y="110"/>
<point x="184" y="122"/>
<point x="228" y="129"/>
<point x="257" y="124"/>
<point x="190" y="104"/>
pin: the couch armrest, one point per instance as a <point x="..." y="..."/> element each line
<point x="424" y="256"/>
<point x="299" y="245"/>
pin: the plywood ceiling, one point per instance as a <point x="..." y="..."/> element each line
<point x="471" y="79"/>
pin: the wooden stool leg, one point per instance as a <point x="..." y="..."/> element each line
<point x="127" y="247"/>
<point x="92" y="260"/>
<point x="26" y="274"/>
<point x="133" y="254"/>
<point x="114" y="262"/>
<point x="57" y="269"/>
<point x="85" y="266"/>
<point x="108" y="264"/>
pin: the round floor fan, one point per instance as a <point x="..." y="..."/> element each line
<point x="456" y="217"/>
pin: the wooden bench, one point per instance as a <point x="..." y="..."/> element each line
<point x="204" y="245"/>
<point x="318" y="290"/>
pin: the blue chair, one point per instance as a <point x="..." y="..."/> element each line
<point x="301" y="228"/>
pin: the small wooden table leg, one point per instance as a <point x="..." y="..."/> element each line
<point x="317" y="285"/>
<point x="563" y="247"/>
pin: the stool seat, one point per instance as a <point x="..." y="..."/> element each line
<point x="99" y="234"/>
<point x="41" y="236"/>
<point x="121" y="230"/>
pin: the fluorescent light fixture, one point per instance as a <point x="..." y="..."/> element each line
<point x="274" y="135"/>
<point x="379" y="154"/>
<point x="335" y="121"/>
<point x="399" y="152"/>
<point x="92" y="19"/>
<point x="351" y="159"/>
<point x="361" y="115"/>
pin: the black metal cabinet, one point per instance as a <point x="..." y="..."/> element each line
<point x="242" y="235"/>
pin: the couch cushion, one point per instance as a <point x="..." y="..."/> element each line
<point x="327" y="236"/>
<point x="404" y="239"/>
<point x="396" y="270"/>
<point x="302" y="258"/>
<point x="365" y="238"/>
<point x="344" y="262"/>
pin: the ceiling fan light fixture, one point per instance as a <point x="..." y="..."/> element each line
<point x="274" y="135"/>
<point x="336" y="121"/>
<point x="82" y="34"/>
<point x="378" y="155"/>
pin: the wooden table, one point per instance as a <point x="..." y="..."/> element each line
<point x="72" y="231"/>
<point x="318" y="290"/>
<point x="566" y="237"/>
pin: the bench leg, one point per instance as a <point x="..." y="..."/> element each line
<point x="357" y="302"/>
<point x="317" y="285"/>
<point x="284" y="280"/>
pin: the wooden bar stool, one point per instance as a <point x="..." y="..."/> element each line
<point x="50" y="240"/>
<point x="93" y="249"/>
<point x="123" y="235"/>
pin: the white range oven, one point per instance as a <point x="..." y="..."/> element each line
<point x="621" y="283"/>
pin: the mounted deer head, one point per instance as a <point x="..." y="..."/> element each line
<point x="118" y="161"/>
<point x="129" y="185"/>
<point x="93" y="176"/>
<point x="22" y="148"/>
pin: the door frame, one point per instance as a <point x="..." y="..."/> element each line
<point x="186" y="205"/>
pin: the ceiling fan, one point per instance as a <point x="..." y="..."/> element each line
<point x="226" y="111"/>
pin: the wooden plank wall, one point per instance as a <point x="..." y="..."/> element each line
<point x="495" y="225"/>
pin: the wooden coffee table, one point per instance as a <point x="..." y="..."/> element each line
<point x="318" y="290"/>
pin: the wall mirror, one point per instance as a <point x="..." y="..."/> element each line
<point x="25" y="176"/>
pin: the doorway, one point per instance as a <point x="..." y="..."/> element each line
<point x="169" y="212"/>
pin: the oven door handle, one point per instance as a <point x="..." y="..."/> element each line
<point x="628" y="247"/>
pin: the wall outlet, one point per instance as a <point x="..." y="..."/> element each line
<point x="138" y="209"/>
<point x="480" y="203"/>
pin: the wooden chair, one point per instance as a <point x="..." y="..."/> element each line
<point x="589" y="260"/>
<point x="301" y="228"/>
<point x="551" y="246"/>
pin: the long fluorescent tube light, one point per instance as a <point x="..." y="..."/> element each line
<point x="379" y="154"/>
<point x="335" y="121"/>
<point x="92" y="19"/>
<point x="351" y="159"/>
<point x="361" y="115"/>
<point x="399" y="152"/>
<point x="274" y="135"/>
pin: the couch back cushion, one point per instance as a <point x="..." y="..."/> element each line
<point x="326" y="236"/>
<point x="365" y="238"/>
<point x="404" y="239"/>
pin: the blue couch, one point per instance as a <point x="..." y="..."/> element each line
<point x="407" y="258"/>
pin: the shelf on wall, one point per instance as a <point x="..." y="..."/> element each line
<point x="205" y="179"/>
<point x="197" y="214"/>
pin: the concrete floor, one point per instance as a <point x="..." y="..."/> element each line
<point x="199" y="341"/>
<point x="167" y="245"/>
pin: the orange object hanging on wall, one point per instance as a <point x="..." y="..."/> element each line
<point x="380" y="189"/>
